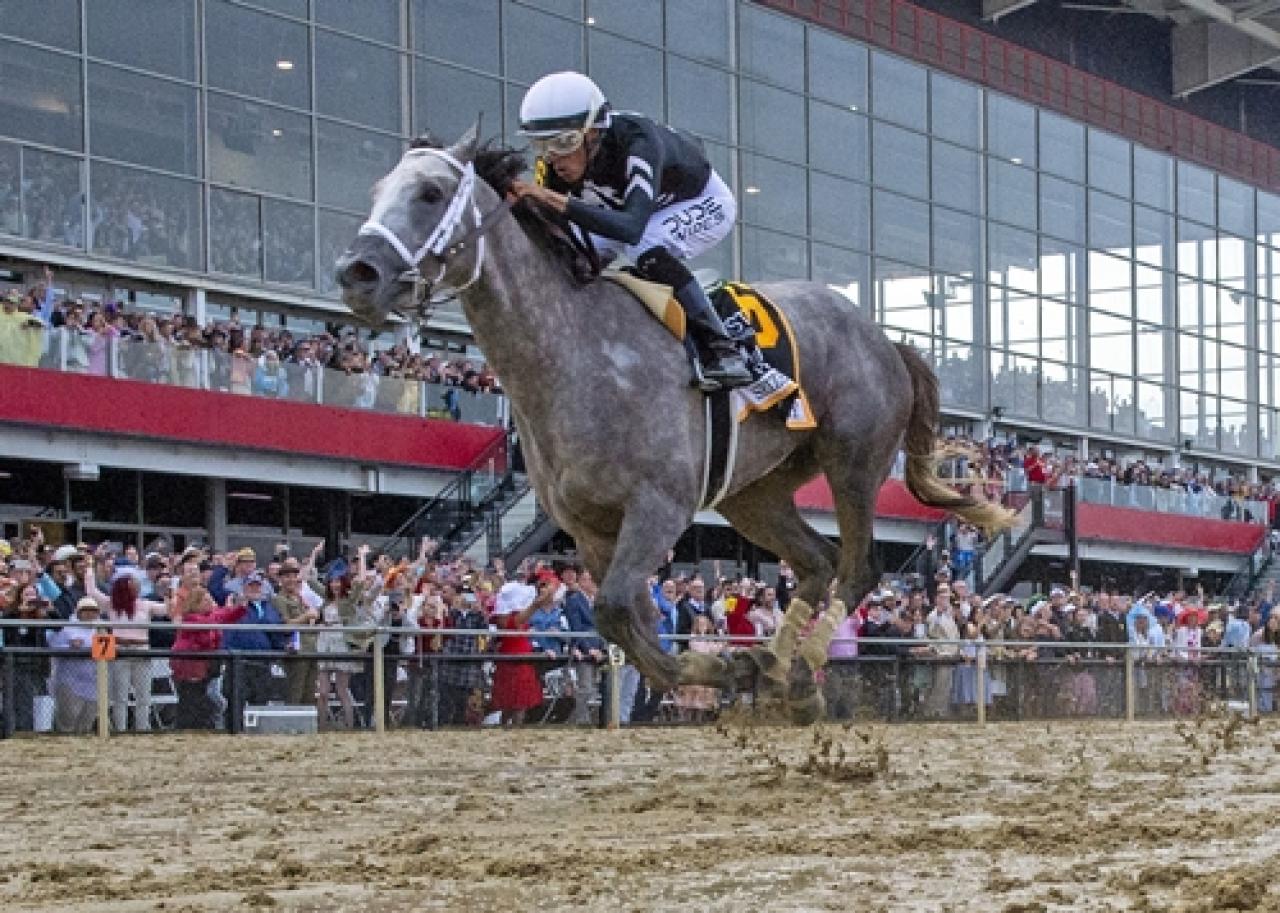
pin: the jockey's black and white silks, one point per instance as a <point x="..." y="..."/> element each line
<point x="640" y="167"/>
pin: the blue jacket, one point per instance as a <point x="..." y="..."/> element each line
<point x="581" y="617"/>
<point x="547" y="619"/>
<point x="668" y="619"/>
<point x="259" y="613"/>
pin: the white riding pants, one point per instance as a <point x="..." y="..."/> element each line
<point x="687" y="229"/>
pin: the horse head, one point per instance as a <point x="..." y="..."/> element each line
<point x="425" y="232"/>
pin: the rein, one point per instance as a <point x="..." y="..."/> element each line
<point x="441" y="244"/>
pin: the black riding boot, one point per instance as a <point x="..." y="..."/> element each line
<point x="726" y="367"/>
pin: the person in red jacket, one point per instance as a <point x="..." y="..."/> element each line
<point x="1033" y="464"/>
<point x="516" y="688"/>
<point x="191" y="675"/>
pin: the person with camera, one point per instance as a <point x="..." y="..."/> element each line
<point x="75" y="681"/>
<point x="299" y="604"/>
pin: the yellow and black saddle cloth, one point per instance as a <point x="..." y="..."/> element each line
<point x="762" y="332"/>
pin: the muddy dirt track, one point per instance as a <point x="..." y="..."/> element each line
<point x="1018" y="817"/>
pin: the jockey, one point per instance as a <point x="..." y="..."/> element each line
<point x="638" y="188"/>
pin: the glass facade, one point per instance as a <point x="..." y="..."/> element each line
<point x="1062" y="274"/>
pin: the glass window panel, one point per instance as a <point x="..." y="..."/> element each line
<point x="1062" y="209"/>
<point x="899" y="159"/>
<point x="254" y="54"/>
<point x="1014" y="382"/>
<point x="956" y="242"/>
<point x="1235" y="207"/>
<point x="160" y="37"/>
<point x="52" y="22"/>
<point x="1269" y="218"/>
<point x="771" y="47"/>
<point x="1151" y="342"/>
<point x="459" y="31"/>
<point x="1232" y="316"/>
<point x="568" y="8"/>
<point x="903" y="297"/>
<point x="1011" y="129"/>
<point x="376" y="19"/>
<point x="719" y="259"/>
<point x="1061" y="393"/>
<point x="1110" y="224"/>
<point x="956" y="177"/>
<point x="345" y="70"/>
<point x="1189" y="368"/>
<point x="629" y="74"/>
<point x="1011" y="193"/>
<point x="1197" y="250"/>
<point x="839" y="211"/>
<point x="235" y="237"/>
<point x="1238" y="433"/>
<point x="349" y="162"/>
<point x="1011" y="257"/>
<point x="1062" y="146"/>
<point x="955" y="110"/>
<point x="900" y="227"/>
<point x="837" y="70"/>
<point x="143" y="120"/>
<point x="1153" y="412"/>
<point x="295" y="8"/>
<point x="769" y="256"/>
<point x="956" y="295"/>
<point x="772" y="121"/>
<point x="843" y="270"/>
<point x="837" y="140"/>
<point x="260" y="147"/>
<point x="536" y="44"/>
<point x="335" y="230"/>
<point x="960" y="375"/>
<point x="700" y="29"/>
<point x="1153" y="236"/>
<point x="447" y="101"/>
<point x="288" y="241"/>
<point x="773" y="195"/>
<point x="52" y="198"/>
<point x="626" y="17"/>
<point x="1234" y="255"/>
<point x="1059" y="331"/>
<point x="41" y="98"/>
<point x="1153" y="287"/>
<point x="1109" y="165"/>
<point x="1061" y="269"/>
<point x="1110" y="284"/>
<point x="1111" y="343"/>
<point x="898" y="90"/>
<point x="1195" y="193"/>
<point x="1020" y="313"/>
<point x="148" y="218"/>
<point x="721" y="158"/>
<point x="1191" y="310"/>
<point x="698" y="99"/>
<point x="1152" y="178"/>
<point x="10" y="189"/>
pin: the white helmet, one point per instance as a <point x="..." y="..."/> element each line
<point x="558" y="109"/>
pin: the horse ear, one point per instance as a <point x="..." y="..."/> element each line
<point x="464" y="150"/>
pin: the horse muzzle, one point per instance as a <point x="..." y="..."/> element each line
<point x="369" y="287"/>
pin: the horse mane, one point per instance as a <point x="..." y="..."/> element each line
<point x="499" y="166"/>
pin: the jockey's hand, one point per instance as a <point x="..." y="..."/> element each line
<point x="521" y="190"/>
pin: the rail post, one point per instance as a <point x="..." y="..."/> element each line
<point x="104" y="700"/>
<point x="981" y="677"/>
<point x="379" y="685"/>
<point x="1252" y="672"/>
<point x="1130" y="692"/>
<point x="614" y="709"/>
<point x="10" y="695"/>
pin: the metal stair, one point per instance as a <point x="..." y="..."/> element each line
<point x="996" y="564"/>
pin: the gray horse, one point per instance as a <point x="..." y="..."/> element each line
<point x="613" y="434"/>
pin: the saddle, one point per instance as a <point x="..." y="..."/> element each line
<point x="762" y="332"/>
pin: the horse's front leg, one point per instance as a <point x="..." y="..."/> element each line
<point x="625" y="613"/>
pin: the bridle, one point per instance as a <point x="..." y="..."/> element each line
<point x="441" y="245"/>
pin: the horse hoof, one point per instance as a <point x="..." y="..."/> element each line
<point x="807" y="711"/>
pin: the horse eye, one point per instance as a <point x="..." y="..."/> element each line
<point x="430" y="194"/>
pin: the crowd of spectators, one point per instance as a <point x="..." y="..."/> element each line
<point x="98" y="337"/>
<point x="1046" y="654"/>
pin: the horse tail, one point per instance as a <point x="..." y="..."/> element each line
<point x="920" y="443"/>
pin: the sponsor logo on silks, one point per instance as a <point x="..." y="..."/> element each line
<point x="695" y="219"/>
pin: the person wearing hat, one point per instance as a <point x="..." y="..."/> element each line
<point x="516" y="688"/>
<point x="227" y="582"/>
<point x="256" y="684"/>
<point x="75" y="681"/>
<point x="299" y="604"/>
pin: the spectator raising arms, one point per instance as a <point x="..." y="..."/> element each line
<point x="122" y="607"/>
<point x="515" y="684"/>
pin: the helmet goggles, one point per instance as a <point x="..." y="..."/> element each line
<point x="563" y="143"/>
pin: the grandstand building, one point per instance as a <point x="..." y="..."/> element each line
<point x="1074" y="209"/>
